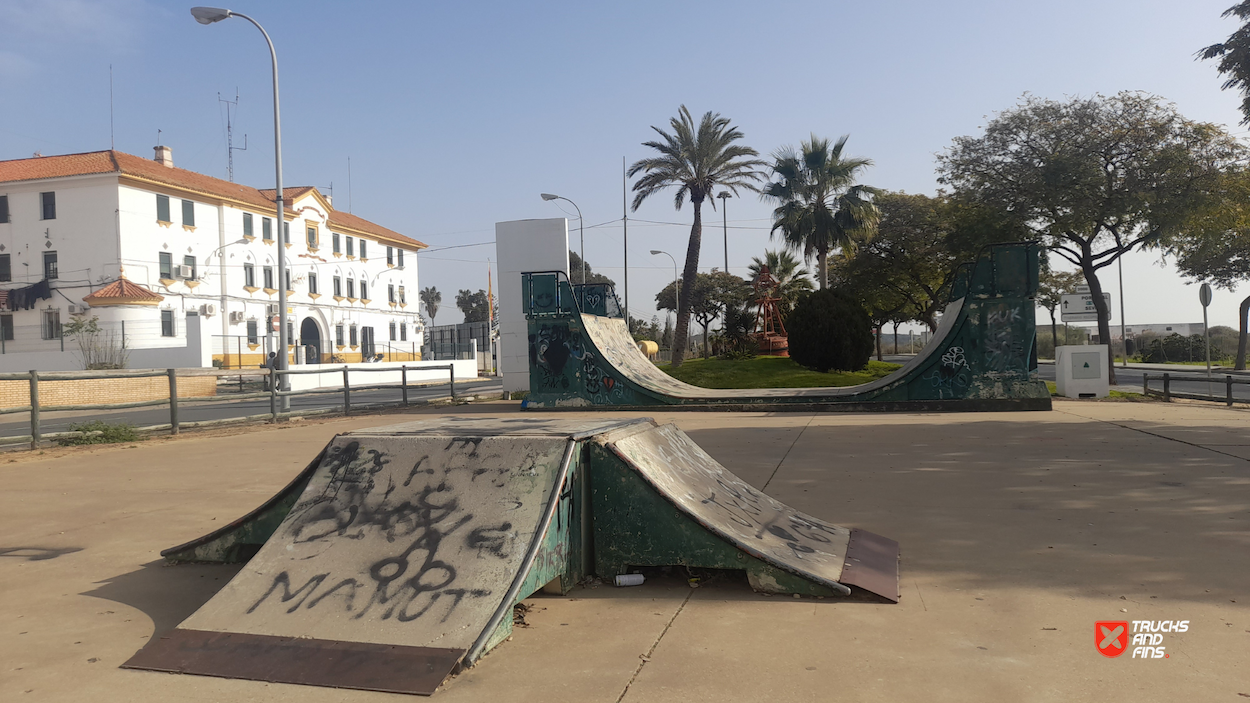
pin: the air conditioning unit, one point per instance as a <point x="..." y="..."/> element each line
<point x="236" y="316"/>
<point x="184" y="272"/>
<point x="77" y="309"/>
<point x="271" y="310"/>
<point x="208" y="309"/>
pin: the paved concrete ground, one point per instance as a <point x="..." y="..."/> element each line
<point x="1018" y="532"/>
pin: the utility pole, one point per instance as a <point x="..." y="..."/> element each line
<point x="625" y="225"/>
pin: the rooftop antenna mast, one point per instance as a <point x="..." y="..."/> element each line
<point x="230" y="147"/>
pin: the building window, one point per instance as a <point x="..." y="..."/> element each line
<point x="253" y="332"/>
<point x="338" y="334"/>
<point x="4" y="208"/>
<point x="247" y="225"/>
<point x="312" y="284"/>
<point x="287" y="278"/>
<point x="334" y="238"/>
<point x="51" y="324"/>
<point x="312" y="237"/>
<point x="353" y="333"/>
<point x="390" y="256"/>
<point x="167" y="323"/>
<point x="393" y="331"/>
<point x="6" y="270"/>
<point x="268" y="277"/>
<point x="49" y="265"/>
<point x="403" y="299"/>
<point x="189" y="261"/>
<point x="403" y="331"/>
<point x="167" y="265"/>
<point x="162" y="208"/>
<point x="48" y="203"/>
<point x="266" y="229"/>
<point x="338" y="287"/>
<point x="6" y="327"/>
<point x="390" y="292"/>
<point x="351" y="246"/>
<point x="364" y="290"/>
<point x="188" y="213"/>
<point x="286" y="232"/>
<point x="400" y="260"/>
<point x="249" y="275"/>
<point x="290" y="331"/>
<point x="363" y="254"/>
<point x="351" y="288"/>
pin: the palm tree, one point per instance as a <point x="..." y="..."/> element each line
<point x="820" y="206"/>
<point x="431" y="297"/>
<point x="792" y="280"/>
<point x="696" y="160"/>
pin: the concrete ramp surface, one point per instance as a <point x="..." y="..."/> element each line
<point x="408" y="546"/>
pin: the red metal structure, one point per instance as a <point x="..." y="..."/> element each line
<point x="770" y="331"/>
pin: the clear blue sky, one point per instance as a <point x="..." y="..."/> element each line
<point x="457" y="115"/>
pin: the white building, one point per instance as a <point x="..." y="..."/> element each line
<point x="184" y="266"/>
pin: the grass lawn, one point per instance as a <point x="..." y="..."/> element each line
<point x="769" y="372"/>
<point x="1121" y="395"/>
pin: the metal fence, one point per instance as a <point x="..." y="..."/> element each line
<point x="1167" y="394"/>
<point x="272" y="392"/>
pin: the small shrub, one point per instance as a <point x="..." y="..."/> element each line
<point x="101" y="432"/>
<point x="829" y="330"/>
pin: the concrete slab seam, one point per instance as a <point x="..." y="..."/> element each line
<point x="647" y="657"/>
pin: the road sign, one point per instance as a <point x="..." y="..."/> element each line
<point x="275" y="323"/>
<point x="1079" y="307"/>
<point x="1204" y="295"/>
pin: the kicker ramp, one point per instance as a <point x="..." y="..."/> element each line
<point x="397" y="556"/>
<point x="981" y="357"/>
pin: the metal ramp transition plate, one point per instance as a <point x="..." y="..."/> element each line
<point x="399" y="554"/>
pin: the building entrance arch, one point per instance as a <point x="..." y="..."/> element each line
<point x="310" y="338"/>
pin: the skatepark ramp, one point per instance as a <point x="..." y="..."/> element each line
<point x="982" y="356"/>
<point x="398" y="555"/>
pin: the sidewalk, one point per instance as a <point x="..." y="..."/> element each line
<point x="1018" y="531"/>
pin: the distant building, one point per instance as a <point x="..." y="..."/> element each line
<point x="1161" y="329"/>
<point x="185" y="267"/>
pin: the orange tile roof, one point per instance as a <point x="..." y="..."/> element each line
<point x="97" y="162"/>
<point x="123" y="292"/>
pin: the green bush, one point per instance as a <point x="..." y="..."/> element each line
<point x="100" y="432"/>
<point x="829" y="330"/>
<point x="1177" y="348"/>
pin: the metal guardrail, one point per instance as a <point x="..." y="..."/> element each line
<point x="1167" y="394"/>
<point x="36" y="409"/>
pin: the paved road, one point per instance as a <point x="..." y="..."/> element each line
<point x="18" y="424"/>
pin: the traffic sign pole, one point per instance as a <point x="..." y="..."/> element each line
<point x="1204" y="297"/>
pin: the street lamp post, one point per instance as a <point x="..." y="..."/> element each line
<point x="209" y="15"/>
<point x="581" y="232"/>
<point x="676" y="288"/>
<point x="724" y="197"/>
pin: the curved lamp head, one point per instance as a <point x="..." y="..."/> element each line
<point x="656" y="251"/>
<point x="724" y="194"/>
<point x="549" y="196"/>
<point x="209" y="15"/>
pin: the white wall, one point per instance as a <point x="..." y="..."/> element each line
<point x="521" y="246"/>
<point x="333" y="377"/>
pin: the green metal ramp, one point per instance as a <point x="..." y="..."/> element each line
<point x="398" y="556"/>
<point x="982" y="356"/>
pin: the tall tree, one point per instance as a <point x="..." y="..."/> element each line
<point x="695" y="159"/>
<point x="820" y="207"/>
<point x="1234" y="56"/>
<point x="1051" y="287"/>
<point x="792" y="278"/>
<point x="575" y="272"/>
<point x="432" y="299"/>
<point x="711" y="295"/>
<point x="475" y="306"/>
<point x="1215" y="246"/>
<point x="1093" y="177"/>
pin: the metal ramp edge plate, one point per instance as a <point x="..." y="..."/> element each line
<point x="755" y="523"/>
<point x="402" y="550"/>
